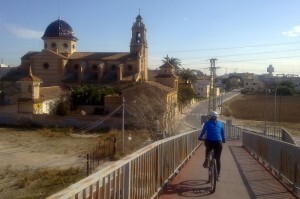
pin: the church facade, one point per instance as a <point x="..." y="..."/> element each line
<point x="59" y="63"/>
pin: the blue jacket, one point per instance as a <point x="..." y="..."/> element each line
<point x="214" y="131"/>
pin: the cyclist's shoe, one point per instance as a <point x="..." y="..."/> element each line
<point x="205" y="163"/>
<point x="218" y="177"/>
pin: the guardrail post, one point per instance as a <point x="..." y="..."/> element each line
<point x="127" y="183"/>
<point x="295" y="179"/>
<point x="87" y="164"/>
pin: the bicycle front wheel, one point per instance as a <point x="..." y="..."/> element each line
<point x="213" y="175"/>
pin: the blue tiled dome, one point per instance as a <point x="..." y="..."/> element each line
<point x="59" y="29"/>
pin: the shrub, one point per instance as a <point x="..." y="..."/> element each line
<point x="63" y="108"/>
<point x="282" y="90"/>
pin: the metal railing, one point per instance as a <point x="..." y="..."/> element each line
<point x="281" y="158"/>
<point x="143" y="174"/>
<point x="140" y="175"/>
<point x="233" y="132"/>
<point x="277" y="134"/>
<point x="271" y="132"/>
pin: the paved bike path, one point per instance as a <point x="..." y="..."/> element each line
<point x="242" y="177"/>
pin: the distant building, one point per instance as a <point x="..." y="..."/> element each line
<point x="166" y="76"/>
<point x="201" y="87"/>
<point x="4" y="69"/>
<point x="270" y="70"/>
<point x="254" y="86"/>
<point x="242" y="75"/>
<point x="152" y="73"/>
<point x="296" y="82"/>
<point x="156" y="95"/>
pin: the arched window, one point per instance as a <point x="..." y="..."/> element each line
<point x="76" y="66"/>
<point x="29" y="88"/>
<point x="53" y="45"/>
<point x="95" y="66"/>
<point x="129" y="67"/>
<point x="138" y="37"/>
<point x="65" y="45"/>
<point x="46" y="65"/>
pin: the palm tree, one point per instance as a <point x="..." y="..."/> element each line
<point x="187" y="75"/>
<point x="174" y="61"/>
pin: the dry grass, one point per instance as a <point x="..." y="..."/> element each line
<point x="30" y="158"/>
<point x="137" y="141"/>
<point x="38" y="183"/>
<point x="252" y="108"/>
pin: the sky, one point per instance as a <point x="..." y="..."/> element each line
<point x="243" y="35"/>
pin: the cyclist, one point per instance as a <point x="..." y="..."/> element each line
<point x="214" y="131"/>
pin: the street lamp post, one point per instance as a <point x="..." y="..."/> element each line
<point x="275" y="111"/>
<point x="221" y="105"/>
<point x="123" y="121"/>
<point x="266" y="110"/>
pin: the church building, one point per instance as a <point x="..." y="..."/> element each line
<point x="60" y="64"/>
<point x="40" y="82"/>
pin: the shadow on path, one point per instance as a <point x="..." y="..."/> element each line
<point x="189" y="189"/>
<point x="259" y="182"/>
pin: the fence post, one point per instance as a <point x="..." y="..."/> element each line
<point x="94" y="158"/>
<point x="115" y="145"/>
<point x="104" y="149"/>
<point x="295" y="179"/>
<point x="87" y="164"/>
<point x="99" y="156"/>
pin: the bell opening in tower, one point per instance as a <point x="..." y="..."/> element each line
<point x="138" y="37"/>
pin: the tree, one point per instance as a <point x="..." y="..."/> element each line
<point x="185" y="94"/>
<point x="63" y="108"/>
<point x="90" y="95"/>
<point x="286" y="88"/>
<point x="174" y="61"/>
<point x="233" y="82"/>
<point x="187" y="75"/>
<point x="152" y="112"/>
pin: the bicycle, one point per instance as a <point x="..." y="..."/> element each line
<point x="212" y="171"/>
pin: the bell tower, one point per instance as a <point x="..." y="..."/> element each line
<point x="138" y="38"/>
<point x="139" y="45"/>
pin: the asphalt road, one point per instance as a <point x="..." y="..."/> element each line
<point x="191" y="118"/>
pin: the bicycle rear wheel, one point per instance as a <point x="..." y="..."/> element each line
<point x="213" y="175"/>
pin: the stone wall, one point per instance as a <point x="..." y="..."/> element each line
<point x="78" y="122"/>
<point x="112" y="102"/>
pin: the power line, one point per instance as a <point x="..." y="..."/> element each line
<point x="98" y="122"/>
<point x="243" y="54"/>
<point x="228" y="48"/>
<point x="248" y="60"/>
<point x="260" y="59"/>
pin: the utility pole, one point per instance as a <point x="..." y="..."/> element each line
<point x="266" y="109"/>
<point x="123" y="123"/>
<point x="212" y="94"/>
<point x="275" y="111"/>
